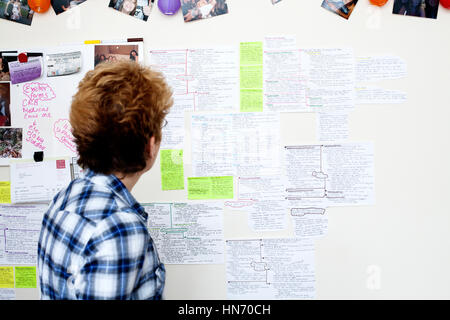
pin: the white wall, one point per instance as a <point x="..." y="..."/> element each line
<point x="405" y="236"/>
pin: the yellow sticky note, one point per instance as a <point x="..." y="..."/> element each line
<point x="172" y="174"/>
<point x="251" y="76"/>
<point x="202" y="188"/>
<point x="251" y="53"/>
<point x="25" y="277"/>
<point x="251" y="100"/>
<point x="5" y="192"/>
<point x="6" y="277"/>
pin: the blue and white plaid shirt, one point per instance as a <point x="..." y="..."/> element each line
<point x="94" y="244"/>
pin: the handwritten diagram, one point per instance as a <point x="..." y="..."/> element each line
<point x="270" y="269"/>
<point x="187" y="233"/>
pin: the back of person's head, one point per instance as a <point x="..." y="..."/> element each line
<point x="118" y="107"/>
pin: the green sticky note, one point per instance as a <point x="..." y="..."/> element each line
<point x="5" y="192"/>
<point x="251" y="77"/>
<point x="251" y="53"/>
<point x="251" y="100"/>
<point x="202" y="188"/>
<point x="6" y="277"/>
<point x="25" y="277"/>
<point x="172" y="174"/>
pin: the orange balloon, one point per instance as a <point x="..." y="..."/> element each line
<point x="379" y="3"/>
<point x="39" y="6"/>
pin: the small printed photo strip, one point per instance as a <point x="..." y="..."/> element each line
<point x="416" y="8"/>
<point x="16" y="11"/>
<point x="139" y="9"/>
<point x="10" y="142"/>
<point x="202" y="9"/>
<point x="112" y="53"/>
<point x="342" y="8"/>
<point x="61" y="6"/>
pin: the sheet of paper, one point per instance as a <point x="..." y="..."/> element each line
<point x="202" y="79"/>
<point x="377" y="95"/>
<point x="259" y="269"/>
<point x="6" y="277"/>
<point x="309" y="222"/>
<point x="5" y="192"/>
<point x="263" y="198"/>
<point x="251" y="76"/>
<point x="25" y="277"/>
<point x="172" y="170"/>
<point x="187" y="233"/>
<point x="19" y="232"/>
<point x="239" y="144"/>
<point x="203" y="188"/>
<point x="38" y="181"/>
<point x="41" y="108"/>
<point x="377" y="68"/>
<point x="276" y="42"/>
<point x="284" y="81"/>
<point x="332" y="126"/>
<point x="331" y="78"/>
<point x="330" y="174"/>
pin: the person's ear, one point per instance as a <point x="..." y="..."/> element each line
<point x="152" y="148"/>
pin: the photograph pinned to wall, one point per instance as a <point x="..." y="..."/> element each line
<point x="112" y="53"/>
<point x="202" y="9"/>
<point x="416" y="8"/>
<point x="5" y="57"/>
<point x="140" y="9"/>
<point x="61" y="6"/>
<point x="5" y="101"/>
<point x="10" y="142"/>
<point x="17" y="11"/>
<point x="343" y="8"/>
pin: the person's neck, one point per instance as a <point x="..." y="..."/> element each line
<point x="129" y="180"/>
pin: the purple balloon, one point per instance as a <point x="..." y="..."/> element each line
<point x="169" y="7"/>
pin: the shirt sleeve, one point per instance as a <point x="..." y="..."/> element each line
<point x="121" y="261"/>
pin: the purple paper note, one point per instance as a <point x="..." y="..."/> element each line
<point x="25" y="71"/>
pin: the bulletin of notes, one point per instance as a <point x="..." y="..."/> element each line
<point x="222" y="150"/>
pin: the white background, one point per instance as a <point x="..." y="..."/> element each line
<point x="396" y="249"/>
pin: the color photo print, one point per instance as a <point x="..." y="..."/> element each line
<point x="342" y="8"/>
<point x="417" y="8"/>
<point x="61" y="6"/>
<point x="5" y="101"/>
<point x="139" y="9"/>
<point x="16" y="11"/>
<point x="112" y="53"/>
<point x="10" y="142"/>
<point x="202" y="9"/>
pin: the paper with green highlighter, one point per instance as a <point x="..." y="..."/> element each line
<point x="172" y="174"/>
<point x="203" y="188"/>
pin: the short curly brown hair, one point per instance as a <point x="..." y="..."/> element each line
<point x="118" y="107"/>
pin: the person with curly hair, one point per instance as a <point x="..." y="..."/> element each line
<point x="94" y="242"/>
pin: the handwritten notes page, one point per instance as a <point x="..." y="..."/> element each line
<point x="187" y="233"/>
<point x="41" y="108"/>
<point x="239" y="144"/>
<point x="330" y="174"/>
<point x="263" y="198"/>
<point x="20" y="226"/>
<point x="270" y="269"/>
<point x="202" y="79"/>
